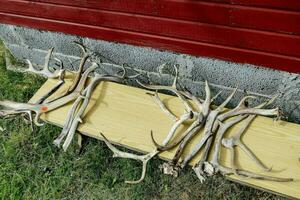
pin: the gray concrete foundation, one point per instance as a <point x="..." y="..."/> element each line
<point x="32" y="44"/>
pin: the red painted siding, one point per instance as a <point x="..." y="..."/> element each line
<point x="261" y="32"/>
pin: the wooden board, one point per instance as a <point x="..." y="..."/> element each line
<point x="126" y="115"/>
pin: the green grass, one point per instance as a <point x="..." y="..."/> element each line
<point x="32" y="168"/>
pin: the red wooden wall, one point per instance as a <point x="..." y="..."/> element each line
<point x="261" y="32"/>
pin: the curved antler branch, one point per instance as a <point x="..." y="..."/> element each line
<point x="143" y="158"/>
<point x="45" y="71"/>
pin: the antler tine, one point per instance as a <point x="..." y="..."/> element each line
<point x="67" y="125"/>
<point x="45" y="66"/>
<point x="198" y="101"/>
<point x="187" y="136"/>
<point x="204" y="109"/>
<point x="81" y="67"/>
<point x="30" y="67"/>
<point x="123" y="76"/>
<point x="269" y="102"/>
<point x="241" y="109"/>
<point x="172" y="88"/>
<point x="240" y="106"/>
<point x="56" y="86"/>
<point x="5" y="113"/>
<point x="86" y="96"/>
<point x="162" y="106"/>
<point x="81" y="46"/>
<point x="61" y="63"/>
<point x="161" y="148"/>
<point x="220" y="107"/>
<point x="210" y="128"/>
<point x="256" y="111"/>
<point x="79" y="80"/>
<point x="216" y="96"/>
<point x="175" y="126"/>
<point x="174" y="85"/>
<point x="172" y="167"/>
<point x="247" y="174"/>
<point x="223" y="127"/>
<point x="178" y="120"/>
<point x="236" y="141"/>
<point x="45" y="71"/>
<point x="18" y="108"/>
<point x="124" y="70"/>
<point x="243" y="101"/>
<point x="143" y="158"/>
<point x="188" y="108"/>
<point x="207" y="101"/>
<point x="38" y="109"/>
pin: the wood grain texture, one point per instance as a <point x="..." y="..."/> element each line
<point x="126" y="115"/>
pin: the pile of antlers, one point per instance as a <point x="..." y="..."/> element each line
<point x="214" y="121"/>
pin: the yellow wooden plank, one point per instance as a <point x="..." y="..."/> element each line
<point x="126" y="115"/>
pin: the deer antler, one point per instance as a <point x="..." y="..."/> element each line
<point x="77" y="78"/>
<point x="178" y="121"/>
<point x="236" y="141"/>
<point x="143" y="158"/>
<point x="55" y="87"/>
<point x="209" y="130"/>
<point x="39" y="109"/>
<point x="86" y="96"/>
<point x="75" y="114"/>
<point x="45" y="71"/>
<point x="203" y="109"/>
<point x="214" y="166"/>
<point x="188" y="114"/>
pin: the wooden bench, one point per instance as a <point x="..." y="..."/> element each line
<point x="126" y="115"/>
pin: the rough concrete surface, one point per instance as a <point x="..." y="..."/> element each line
<point x="25" y="43"/>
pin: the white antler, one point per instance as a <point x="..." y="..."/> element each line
<point x="45" y="71"/>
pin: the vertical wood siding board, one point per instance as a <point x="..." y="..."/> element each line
<point x="234" y="37"/>
<point x="280" y="62"/>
